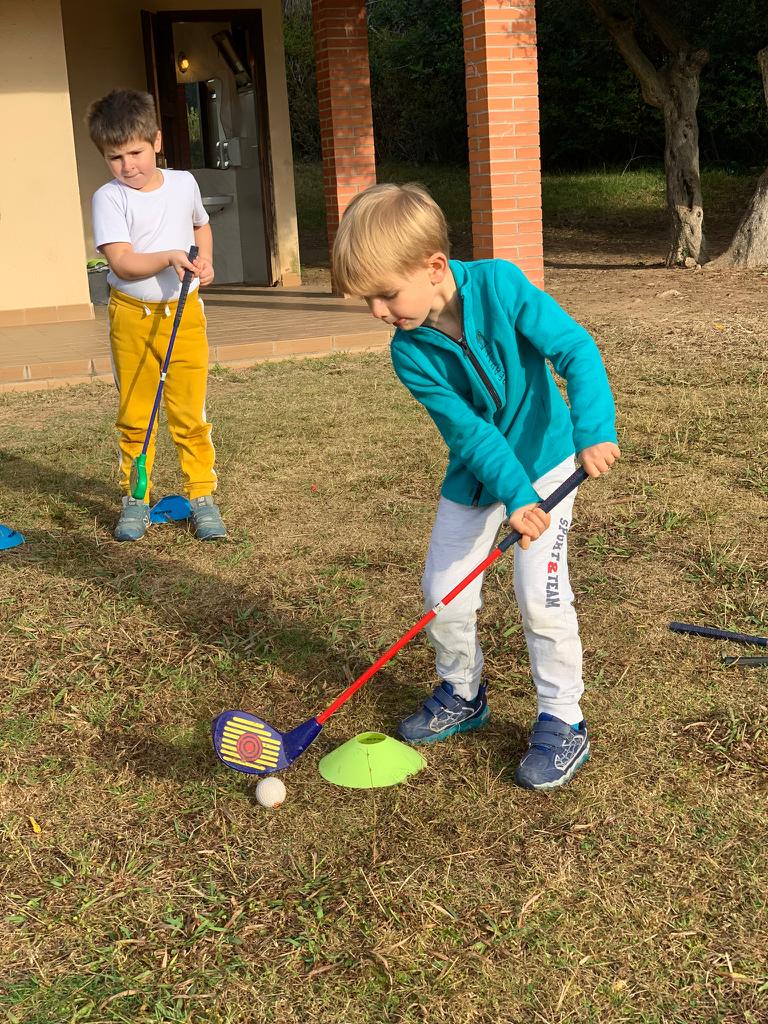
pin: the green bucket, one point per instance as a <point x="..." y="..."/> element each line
<point x="370" y="761"/>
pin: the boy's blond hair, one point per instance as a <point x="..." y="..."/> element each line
<point x="120" y="116"/>
<point x="386" y="230"/>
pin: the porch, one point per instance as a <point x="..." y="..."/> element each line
<point x="246" y="325"/>
<point x="58" y="55"/>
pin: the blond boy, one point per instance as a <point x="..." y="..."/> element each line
<point x="471" y="343"/>
<point x="145" y="221"/>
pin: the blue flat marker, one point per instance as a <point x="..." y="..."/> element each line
<point x="9" y="538"/>
<point x="173" y="508"/>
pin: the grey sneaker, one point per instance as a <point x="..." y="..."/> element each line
<point x="207" y="519"/>
<point x="133" y="521"/>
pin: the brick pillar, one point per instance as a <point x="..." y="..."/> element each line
<point x="503" y="124"/>
<point x="344" y="98"/>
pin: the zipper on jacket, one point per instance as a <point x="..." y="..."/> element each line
<point x="473" y="359"/>
<point x="462" y="343"/>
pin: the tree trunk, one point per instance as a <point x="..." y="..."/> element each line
<point x="749" y="247"/>
<point x="674" y="89"/>
<point x="681" y="164"/>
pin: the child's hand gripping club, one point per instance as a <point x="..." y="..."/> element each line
<point x="531" y="521"/>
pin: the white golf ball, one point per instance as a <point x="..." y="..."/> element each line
<point x="270" y="792"/>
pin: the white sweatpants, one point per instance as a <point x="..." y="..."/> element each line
<point x="462" y="537"/>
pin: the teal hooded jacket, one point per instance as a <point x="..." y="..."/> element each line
<point x="492" y="394"/>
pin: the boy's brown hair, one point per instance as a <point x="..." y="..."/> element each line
<point x="386" y="230"/>
<point x="120" y="116"/>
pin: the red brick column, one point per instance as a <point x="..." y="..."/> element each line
<point x="344" y="98"/>
<point x="503" y="124"/>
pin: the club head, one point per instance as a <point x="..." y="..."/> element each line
<point x="250" y="745"/>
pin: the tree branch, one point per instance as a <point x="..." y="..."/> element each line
<point x="677" y="45"/>
<point x="663" y="27"/>
<point x="623" y="32"/>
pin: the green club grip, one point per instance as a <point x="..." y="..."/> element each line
<point x="139" y="477"/>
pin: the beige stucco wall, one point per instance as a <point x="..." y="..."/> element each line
<point x="105" y="50"/>
<point x="42" y="256"/>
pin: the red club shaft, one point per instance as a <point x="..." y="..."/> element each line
<point x="547" y="505"/>
<point x="417" y="628"/>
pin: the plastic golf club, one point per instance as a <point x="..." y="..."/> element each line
<point x="250" y="745"/>
<point x="718" y="634"/>
<point x="139" y="467"/>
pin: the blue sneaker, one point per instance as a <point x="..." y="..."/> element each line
<point x="443" y="714"/>
<point x="207" y="519"/>
<point x="555" y="753"/>
<point x="133" y="521"/>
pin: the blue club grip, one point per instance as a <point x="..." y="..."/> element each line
<point x="186" y="282"/>
<point x="549" y="503"/>
<point x="188" y="275"/>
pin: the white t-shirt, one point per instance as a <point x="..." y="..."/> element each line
<point x="151" y="222"/>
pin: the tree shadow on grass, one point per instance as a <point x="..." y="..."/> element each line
<point x="98" y="497"/>
<point x="248" y="625"/>
<point x="551" y="264"/>
<point x="142" y="752"/>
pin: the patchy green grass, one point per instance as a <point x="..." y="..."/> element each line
<point x="634" y="198"/>
<point x="142" y="883"/>
<point x="602" y="201"/>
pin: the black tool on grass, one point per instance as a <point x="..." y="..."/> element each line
<point x="749" y="662"/>
<point x="718" y="634"/>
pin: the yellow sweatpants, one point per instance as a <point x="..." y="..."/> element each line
<point x="139" y="336"/>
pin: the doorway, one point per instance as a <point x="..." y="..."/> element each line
<point x="206" y="72"/>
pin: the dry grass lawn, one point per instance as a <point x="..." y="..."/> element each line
<point x="140" y="880"/>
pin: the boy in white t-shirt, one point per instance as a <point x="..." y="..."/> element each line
<point x="144" y="222"/>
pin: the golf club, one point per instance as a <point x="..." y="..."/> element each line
<point x="718" y="634"/>
<point x="139" y="466"/>
<point x="730" y="659"/>
<point x="250" y="745"/>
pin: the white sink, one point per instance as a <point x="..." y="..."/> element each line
<point x="215" y="204"/>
